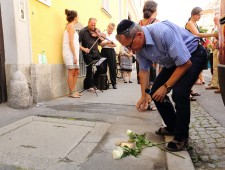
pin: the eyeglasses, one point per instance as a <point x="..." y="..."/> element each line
<point x="130" y="45"/>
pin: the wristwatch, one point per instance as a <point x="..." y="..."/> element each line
<point x="168" y="88"/>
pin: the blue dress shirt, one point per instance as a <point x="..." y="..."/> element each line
<point x="166" y="44"/>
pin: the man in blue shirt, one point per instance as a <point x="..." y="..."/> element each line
<point x="182" y="58"/>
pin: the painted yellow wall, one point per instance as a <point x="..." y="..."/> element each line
<point x="48" y="23"/>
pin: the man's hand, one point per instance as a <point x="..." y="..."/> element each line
<point x="142" y="103"/>
<point x="160" y="94"/>
<point x="86" y="50"/>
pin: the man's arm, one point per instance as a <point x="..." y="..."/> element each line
<point x="142" y="103"/>
<point x="81" y="36"/>
<point x="144" y="80"/>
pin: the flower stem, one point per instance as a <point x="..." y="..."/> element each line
<point x="171" y="152"/>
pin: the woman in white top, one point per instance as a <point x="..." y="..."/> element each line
<point x="71" y="49"/>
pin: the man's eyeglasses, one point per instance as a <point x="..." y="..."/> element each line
<point x="130" y="45"/>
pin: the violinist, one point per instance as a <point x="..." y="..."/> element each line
<point x="108" y="51"/>
<point x="89" y="39"/>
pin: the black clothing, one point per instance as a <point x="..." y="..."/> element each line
<point x="110" y="55"/>
<point x="87" y="41"/>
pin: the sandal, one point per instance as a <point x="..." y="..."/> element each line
<point x="77" y="93"/>
<point x="163" y="132"/>
<point x="73" y="95"/>
<point x="175" y="146"/>
<point x="151" y="108"/>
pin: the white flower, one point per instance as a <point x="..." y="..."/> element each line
<point x="117" y="154"/>
<point x="129" y="132"/>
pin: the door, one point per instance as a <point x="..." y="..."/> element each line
<point x="3" y="92"/>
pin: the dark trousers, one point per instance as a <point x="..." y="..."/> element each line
<point x="211" y="62"/>
<point x="110" y="56"/>
<point x="91" y="78"/>
<point x="178" y="119"/>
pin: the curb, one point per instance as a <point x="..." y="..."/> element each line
<point x="172" y="160"/>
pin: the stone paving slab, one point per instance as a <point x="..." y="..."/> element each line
<point x="48" y="143"/>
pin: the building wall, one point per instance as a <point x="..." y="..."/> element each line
<point x="48" y="23"/>
<point x="42" y="30"/>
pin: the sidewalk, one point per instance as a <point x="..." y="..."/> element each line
<point x="68" y="133"/>
<point x="207" y="128"/>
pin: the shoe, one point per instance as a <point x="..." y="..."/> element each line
<point x="73" y="95"/>
<point x="78" y="93"/>
<point x="217" y="91"/>
<point x="95" y="88"/>
<point x="163" y="132"/>
<point x="125" y="82"/>
<point x="130" y="81"/>
<point x="175" y="145"/>
<point x="211" y="87"/>
<point x="114" y="87"/>
<point x="195" y="94"/>
<point x="151" y="108"/>
<point x="192" y="98"/>
<point x="92" y="90"/>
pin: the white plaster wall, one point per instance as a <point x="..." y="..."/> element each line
<point x="22" y="34"/>
<point x="16" y="33"/>
<point x="9" y="32"/>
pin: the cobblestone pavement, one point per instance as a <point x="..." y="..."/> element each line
<point x="207" y="138"/>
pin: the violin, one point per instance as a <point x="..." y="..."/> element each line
<point x="101" y="36"/>
<point x="97" y="33"/>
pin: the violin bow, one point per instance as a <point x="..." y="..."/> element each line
<point x="96" y="42"/>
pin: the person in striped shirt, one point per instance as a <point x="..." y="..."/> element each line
<point x="182" y="58"/>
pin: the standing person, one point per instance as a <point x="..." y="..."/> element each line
<point x="215" y="46"/>
<point x="126" y="63"/>
<point x="90" y="39"/>
<point x="182" y="58"/>
<point x="108" y="51"/>
<point x="192" y="26"/>
<point x="149" y="17"/>
<point x="71" y="49"/>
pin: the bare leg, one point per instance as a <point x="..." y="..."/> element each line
<point x="125" y="76"/>
<point x="70" y="81"/>
<point x="129" y="76"/>
<point x="76" y="73"/>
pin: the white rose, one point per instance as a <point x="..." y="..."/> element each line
<point x="129" y="132"/>
<point x="117" y="154"/>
